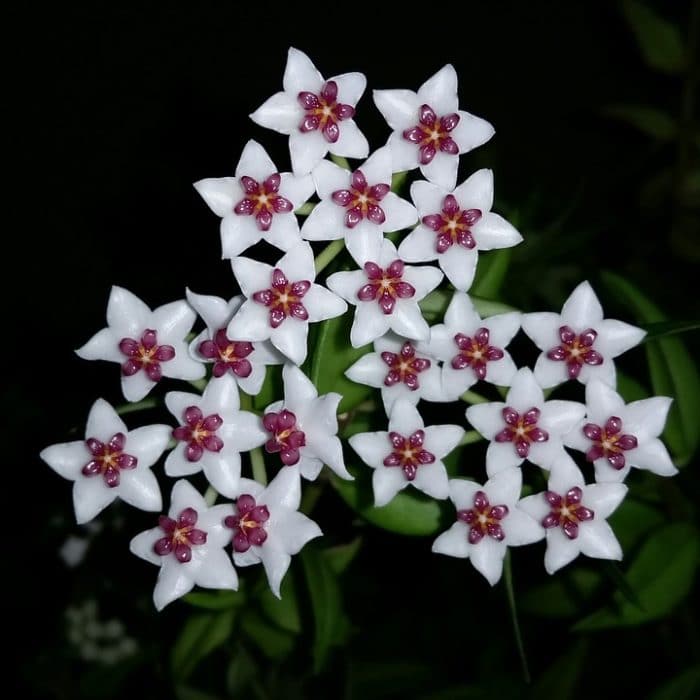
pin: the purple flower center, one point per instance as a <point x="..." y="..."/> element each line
<point x="286" y="438"/>
<point x="386" y="286"/>
<point x="452" y="225"/>
<point x="323" y="112"/>
<point x="609" y="442"/>
<point x="199" y="432"/>
<point x="404" y="366"/>
<point x="475" y="352"/>
<point x="362" y="201"/>
<point x="408" y="453"/>
<point x="227" y="354"/>
<point x="248" y="523"/>
<point x="262" y="200"/>
<point x="484" y="519"/>
<point x="283" y="298"/>
<point x="521" y="430"/>
<point x="108" y="459"/>
<point x="180" y="536"/>
<point x="432" y="134"/>
<point x="145" y="354"/>
<point x="575" y="350"/>
<point x="567" y="511"/>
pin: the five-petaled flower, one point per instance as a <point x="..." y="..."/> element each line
<point x="188" y="545"/>
<point x="401" y="369"/>
<point x="241" y="359"/>
<point x="616" y="436"/>
<point x="489" y="520"/>
<point x="358" y="206"/>
<point x="525" y="426"/>
<point x="147" y="344"/>
<point x="386" y="294"/>
<point x="274" y="511"/>
<point x="455" y="226"/>
<point x="212" y="434"/>
<point x="112" y="461"/>
<point x="281" y="301"/>
<point x="574" y="515"/>
<point x="409" y="453"/>
<point x="429" y="130"/>
<point x="579" y="343"/>
<point x="258" y="203"/>
<point x="472" y="348"/>
<point x="317" y="114"/>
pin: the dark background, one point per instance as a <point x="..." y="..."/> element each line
<point x="124" y="106"/>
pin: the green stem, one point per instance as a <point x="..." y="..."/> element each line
<point x="326" y="256"/>
<point x="470" y="437"/>
<point x="198" y="384"/>
<point x="143" y="405"/>
<point x="473" y="397"/>
<point x="342" y="162"/>
<point x="257" y="462"/>
<point x="210" y="496"/>
<point x="305" y="209"/>
<point x="508" y="579"/>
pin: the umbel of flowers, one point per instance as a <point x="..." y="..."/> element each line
<point x="446" y="226"/>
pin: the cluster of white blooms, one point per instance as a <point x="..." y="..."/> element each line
<point x="269" y="323"/>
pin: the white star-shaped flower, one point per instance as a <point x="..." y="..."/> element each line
<point x="429" y="130"/>
<point x="579" y="343"/>
<point x="489" y="520"/>
<point x="409" y="453"/>
<point x="268" y="527"/>
<point x="211" y="434"/>
<point x="245" y="360"/>
<point x="303" y="428"/>
<point x="574" y="516"/>
<point x="386" y="294"/>
<point x="616" y="436"/>
<point x="281" y="301"/>
<point x="257" y="204"/>
<point x="112" y="461"/>
<point x="472" y="348"/>
<point x="525" y="426"/>
<point x="147" y="344"/>
<point x="358" y="207"/>
<point x="401" y="370"/>
<point x="455" y="226"/>
<point x="188" y="546"/>
<point x="317" y="114"/>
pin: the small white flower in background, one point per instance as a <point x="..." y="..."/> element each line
<point x="245" y="360"/>
<point x="111" y="462"/>
<point x="489" y="520"/>
<point x="147" y="344"/>
<point x="473" y="348"/>
<point x="574" y="516"/>
<point x="409" y="453"/>
<point x="267" y="526"/>
<point x="212" y="434"/>
<point x="188" y="545"/>
<point x="303" y="428"/>
<point x="429" y="130"/>
<point x="317" y="114"/>
<point x="579" y="343"/>
<point x="358" y="206"/>
<point x="525" y="426"/>
<point x="257" y="204"/>
<point x="616" y="436"/>
<point x="386" y="294"/>
<point x="401" y="370"/>
<point x="281" y="301"/>
<point x="455" y="226"/>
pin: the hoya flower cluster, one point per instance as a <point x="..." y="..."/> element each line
<point x="385" y="279"/>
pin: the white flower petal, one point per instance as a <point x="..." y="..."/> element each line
<point x="223" y="471"/>
<point x="284" y="490"/>
<point x="297" y="189"/>
<point x="501" y="456"/>
<point x="244" y="431"/>
<point x="251" y="275"/>
<point x="351" y="143"/>
<point x="377" y="168"/>
<point x="407" y="320"/>
<point x="564" y="475"/>
<point x="103" y="422"/>
<point x="546" y="454"/>
<point x="442" y="169"/>
<point x="476" y="192"/>
<point x="399" y="213"/>
<point x="300" y="74"/>
<point x="177" y="464"/>
<point x="442" y="439"/>
<point x="370" y="323"/>
<point x="398" y="107"/>
<point x="487" y="558"/>
<point x="298" y="262"/>
<point x="255" y="163"/>
<point x="220" y="396"/>
<point x="351" y="87"/>
<point x="372" y="447"/>
<point x="139" y="488"/>
<point x="251" y="322"/>
<point x="462" y="492"/>
<point x="347" y="284"/>
<point x="405" y="419"/>
<point x="582" y="309"/>
<point x="501" y="372"/>
<point x="560" y="550"/>
<point x="453" y="542"/>
<point x="461" y="315"/>
<point x="525" y="392"/>
<point x="386" y="483"/>
<point x="299" y="390"/>
<point x="427" y="197"/>
<point x="456" y="381"/>
<point x="142" y="545"/>
<point x="293" y="529"/>
<point x="654" y="457"/>
<point x="370" y="369"/>
<point x="329" y="449"/>
<point x="90" y="496"/>
<point x="322" y="304"/>
<point x="216" y="571"/>
<point x="137" y="386"/>
<point x="404" y="155"/>
<point x="535" y="506"/>
<point x="182" y="366"/>
<point x="214" y="311"/>
<point x="67" y="459"/>
<point x="602" y="402"/>
<point x="596" y="539"/>
<point x="249" y="558"/>
<point x="306" y="150"/>
<point x="184" y="495"/>
<point x="290" y="339"/>
<point x="418" y="246"/>
<point x="238" y="233"/>
<point x="104" y="345"/>
<point x="440" y="91"/>
<point x="326" y="221"/>
<point x="487" y="418"/>
<point x="616" y="337"/>
<point x="559" y="417"/>
<point x="605" y="373"/>
<point x="459" y="264"/>
<point x="219" y="193"/>
<point x="127" y="315"/>
<point x="284" y="231"/>
<point x="173" y="582"/>
<point x="604" y="499"/>
<point x="471" y="131"/>
<point x="521" y="529"/>
<point x="276" y="563"/>
<point x="492" y="231"/>
<point x="645" y="418"/>
<point x="148" y="443"/>
<point x="424" y="279"/>
<point x="432" y="480"/>
<point x="281" y="112"/>
<point x="575" y="439"/>
<point x="211" y="520"/>
<point x="549" y="373"/>
<point x="328" y="178"/>
<point x="505" y="487"/>
<point x="543" y="329"/>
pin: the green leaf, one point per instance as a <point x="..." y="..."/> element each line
<point x="632" y="521"/>
<point x="201" y="635"/>
<point x="659" y="41"/>
<point x="685" y="686"/>
<point x="184" y="692"/>
<point x="673" y="372"/>
<point x="215" y="600"/>
<point x="662" y="575"/>
<point x="273" y="641"/>
<point x="561" y="596"/>
<point x="434" y="305"/>
<point x="241" y="672"/>
<point x="629" y="388"/>
<point x="332" y="356"/>
<point x="664" y="328"/>
<point x="649" y="120"/>
<point x="560" y="680"/>
<point x="341" y="556"/>
<point x="491" y="272"/>
<point x="326" y="604"/>
<point x="283" y="611"/>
